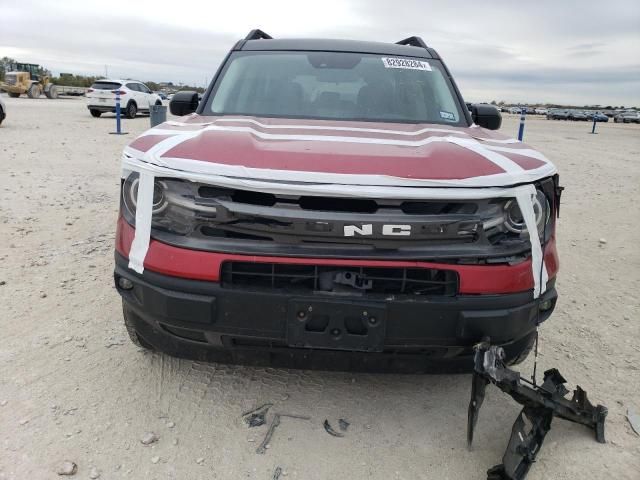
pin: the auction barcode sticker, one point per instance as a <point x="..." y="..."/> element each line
<point x="406" y="63"/>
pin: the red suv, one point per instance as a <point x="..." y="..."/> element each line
<point x="335" y="204"/>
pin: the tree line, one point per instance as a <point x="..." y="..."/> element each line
<point x="86" y="81"/>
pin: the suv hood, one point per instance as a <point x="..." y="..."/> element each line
<point x="339" y="152"/>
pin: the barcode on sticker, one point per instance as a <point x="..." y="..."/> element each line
<point x="406" y="63"/>
<point x="447" y="116"/>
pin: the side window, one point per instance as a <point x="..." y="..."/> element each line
<point x="133" y="86"/>
<point x="143" y="88"/>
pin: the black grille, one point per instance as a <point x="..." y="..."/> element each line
<point x="327" y="278"/>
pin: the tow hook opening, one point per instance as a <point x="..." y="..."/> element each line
<point x="125" y="283"/>
<point x="546" y="305"/>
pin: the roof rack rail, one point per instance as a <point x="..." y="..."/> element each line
<point x="258" y="34"/>
<point x="413" y="41"/>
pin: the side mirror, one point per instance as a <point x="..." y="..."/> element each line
<point x="184" y="103"/>
<point x="486" y="116"/>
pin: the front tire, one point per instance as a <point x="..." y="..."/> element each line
<point x="34" y="91"/>
<point x="14" y="94"/>
<point x="519" y="350"/>
<point x="131" y="329"/>
<point x="52" y="93"/>
<point x="131" y="110"/>
<point x="95" y="113"/>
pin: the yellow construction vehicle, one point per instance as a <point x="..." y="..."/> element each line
<point x="25" y="78"/>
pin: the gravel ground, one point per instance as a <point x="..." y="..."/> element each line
<point x="73" y="388"/>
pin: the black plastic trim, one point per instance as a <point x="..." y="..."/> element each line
<point x="414" y="42"/>
<point x="258" y="34"/>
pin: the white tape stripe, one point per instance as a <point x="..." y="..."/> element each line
<point x="342" y="180"/>
<point x="349" y="179"/>
<point x="525" y="152"/>
<point x="144" y="206"/>
<point x="470" y="143"/>
<point x="500" y="160"/>
<point x="503" y="162"/>
<point x="370" y="191"/>
<point x="525" y="195"/>
<point x="342" y="129"/>
<point x="301" y="183"/>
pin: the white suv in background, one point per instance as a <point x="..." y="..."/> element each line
<point x="134" y="97"/>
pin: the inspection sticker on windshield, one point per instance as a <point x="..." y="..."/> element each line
<point x="406" y="63"/>
<point x="447" y="116"/>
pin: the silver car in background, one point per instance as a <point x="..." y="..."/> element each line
<point x="627" y="117"/>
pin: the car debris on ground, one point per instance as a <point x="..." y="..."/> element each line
<point x="327" y="426"/>
<point x="257" y="416"/>
<point x="262" y="448"/>
<point x="540" y="404"/>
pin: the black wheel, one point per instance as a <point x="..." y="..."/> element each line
<point x="95" y="113"/>
<point x="129" y="324"/>
<point x="518" y="351"/>
<point x="131" y="110"/>
<point x="14" y="94"/>
<point x="158" y="102"/>
<point x="34" y="91"/>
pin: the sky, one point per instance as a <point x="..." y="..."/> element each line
<point x="562" y="51"/>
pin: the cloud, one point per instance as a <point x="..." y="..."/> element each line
<point x="532" y="50"/>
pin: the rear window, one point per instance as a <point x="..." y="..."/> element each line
<point x="335" y="85"/>
<point x="106" y="85"/>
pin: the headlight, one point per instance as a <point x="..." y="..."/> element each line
<point x="130" y="194"/>
<point x="173" y="207"/>
<point x="505" y="217"/>
<point x="514" y="221"/>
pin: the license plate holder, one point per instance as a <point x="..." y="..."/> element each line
<point x="336" y="325"/>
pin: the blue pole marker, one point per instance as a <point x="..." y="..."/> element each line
<point x="593" y="129"/>
<point x="118" y="113"/>
<point x="523" y="111"/>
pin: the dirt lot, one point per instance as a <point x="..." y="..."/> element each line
<point x="72" y="387"/>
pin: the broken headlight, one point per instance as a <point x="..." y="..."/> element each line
<point x="505" y="217"/>
<point x="174" y="208"/>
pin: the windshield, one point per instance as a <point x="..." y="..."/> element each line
<point x="332" y="85"/>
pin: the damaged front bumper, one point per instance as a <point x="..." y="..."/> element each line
<point x="250" y="325"/>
